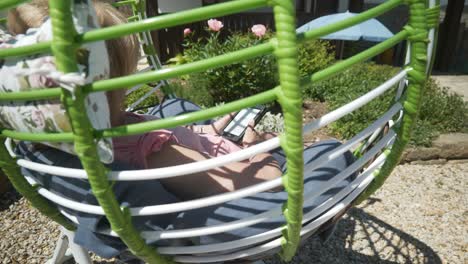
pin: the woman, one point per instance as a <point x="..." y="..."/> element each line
<point x="162" y="148"/>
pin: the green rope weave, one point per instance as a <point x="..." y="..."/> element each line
<point x="435" y="26"/>
<point x="418" y="32"/>
<point x="290" y="98"/>
<point x="433" y="16"/>
<point x="64" y="50"/>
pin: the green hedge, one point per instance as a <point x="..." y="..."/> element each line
<point x="152" y="100"/>
<point x="441" y="111"/>
<point x="240" y="80"/>
<point x="348" y="86"/>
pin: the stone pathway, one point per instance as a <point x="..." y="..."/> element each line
<point x="453" y="146"/>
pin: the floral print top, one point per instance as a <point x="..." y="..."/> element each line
<point x="39" y="72"/>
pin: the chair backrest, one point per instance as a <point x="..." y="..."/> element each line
<point x="64" y="45"/>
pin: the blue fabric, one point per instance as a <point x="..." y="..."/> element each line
<point x="262" y="202"/>
<point x="175" y="107"/>
<point x="142" y="193"/>
<point x="370" y="30"/>
<point x="138" y="193"/>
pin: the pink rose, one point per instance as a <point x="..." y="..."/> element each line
<point x="259" y="30"/>
<point x="187" y="31"/>
<point x="215" y="25"/>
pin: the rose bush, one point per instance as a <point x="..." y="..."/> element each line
<point x="239" y="80"/>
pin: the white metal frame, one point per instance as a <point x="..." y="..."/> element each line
<point x="248" y="246"/>
<point x="220" y="198"/>
<point x="321" y="214"/>
<point x="67" y="249"/>
<point x="194" y="232"/>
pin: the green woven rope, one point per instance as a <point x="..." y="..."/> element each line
<point x="64" y="50"/>
<point x="290" y="98"/>
<point x="119" y="218"/>
<point x="418" y="31"/>
<point x="13" y="172"/>
<point x="433" y="16"/>
<point x="10" y="3"/>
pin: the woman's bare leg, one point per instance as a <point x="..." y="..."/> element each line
<point x="230" y="177"/>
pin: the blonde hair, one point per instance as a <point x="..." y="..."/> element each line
<point x="25" y="16"/>
<point x="123" y="52"/>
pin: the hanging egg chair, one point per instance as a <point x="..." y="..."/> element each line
<point x="66" y="109"/>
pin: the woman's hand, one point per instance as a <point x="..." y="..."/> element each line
<point x="251" y="136"/>
<point x="216" y="128"/>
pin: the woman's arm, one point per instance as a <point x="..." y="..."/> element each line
<point x="216" y="128"/>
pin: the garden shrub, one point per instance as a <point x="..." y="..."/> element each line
<point x="441" y="111"/>
<point x="233" y="81"/>
<point x="244" y="79"/>
<point x="314" y="56"/>
<point x="349" y="85"/>
<point x="197" y="94"/>
<point x="152" y="100"/>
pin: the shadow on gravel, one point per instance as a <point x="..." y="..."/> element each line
<point x="363" y="238"/>
<point x="8" y="198"/>
<point x="359" y="238"/>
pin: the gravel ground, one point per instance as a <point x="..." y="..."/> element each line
<point x="419" y="216"/>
